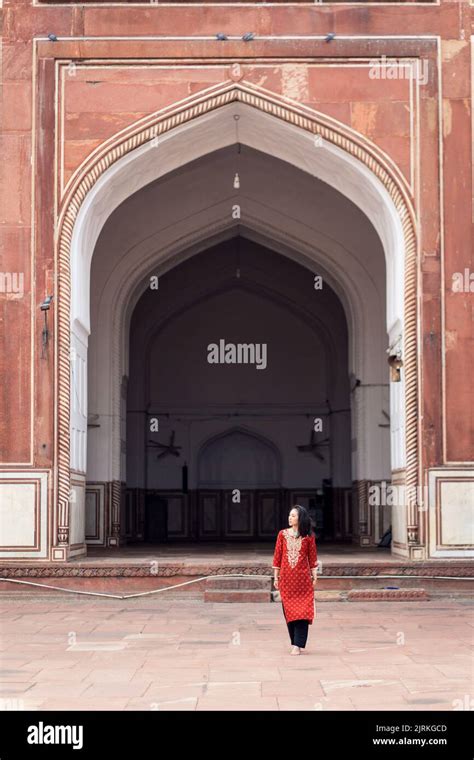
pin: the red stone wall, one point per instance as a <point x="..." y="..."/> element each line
<point x="52" y="119"/>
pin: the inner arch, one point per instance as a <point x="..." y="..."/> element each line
<point x="267" y="134"/>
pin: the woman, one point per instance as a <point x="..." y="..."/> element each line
<point x="294" y="561"/>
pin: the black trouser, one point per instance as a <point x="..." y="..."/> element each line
<point x="298" y="630"/>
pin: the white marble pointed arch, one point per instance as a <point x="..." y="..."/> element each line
<point x="125" y="163"/>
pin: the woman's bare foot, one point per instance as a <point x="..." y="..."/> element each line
<point x="295" y="650"/>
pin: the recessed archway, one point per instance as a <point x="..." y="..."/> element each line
<point x="341" y="159"/>
<point x="259" y="461"/>
<point x="246" y="292"/>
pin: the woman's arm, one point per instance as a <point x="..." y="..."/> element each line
<point x="277" y="556"/>
<point x="313" y="557"/>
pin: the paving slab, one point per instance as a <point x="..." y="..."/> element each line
<point x="149" y="653"/>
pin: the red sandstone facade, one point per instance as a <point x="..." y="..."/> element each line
<point x="69" y="103"/>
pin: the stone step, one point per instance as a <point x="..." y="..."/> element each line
<point x="248" y="582"/>
<point x="367" y="595"/>
<point x="388" y="595"/>
<point x="122" y="580"/>
<point x="320" y="596"/>
<point x="237" y="595"/>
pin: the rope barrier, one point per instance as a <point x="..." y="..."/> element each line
<point x="230" y="575"/>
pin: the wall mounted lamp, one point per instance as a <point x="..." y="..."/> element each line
<point x="45" y="306"/>
<point x="395" y="363"/>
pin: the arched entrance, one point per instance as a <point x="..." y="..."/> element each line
<point x="239" y="459"/>
<point x="256" y="298"/>
<point x="342" y="160"/>
<point x="239" y="472"/>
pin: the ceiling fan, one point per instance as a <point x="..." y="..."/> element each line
<point x="313" y="446"/>
<point x="168" y="449"/>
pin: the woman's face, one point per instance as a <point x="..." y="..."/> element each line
<point x="293" y="518"/>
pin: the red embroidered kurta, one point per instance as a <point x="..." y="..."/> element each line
<point x="295" y="557"/>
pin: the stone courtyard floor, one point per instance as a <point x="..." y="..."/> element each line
<point x="63" y="651"/>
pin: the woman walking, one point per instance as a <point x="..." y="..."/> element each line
<point x="294" y="562"/>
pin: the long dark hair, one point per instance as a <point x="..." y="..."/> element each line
<point x="304" y="521"/>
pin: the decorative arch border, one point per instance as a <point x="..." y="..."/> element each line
<point x="158" y="124"/>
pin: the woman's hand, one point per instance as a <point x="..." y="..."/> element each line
<point x="315" y="580"/>
<point x="275" y="582"/>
